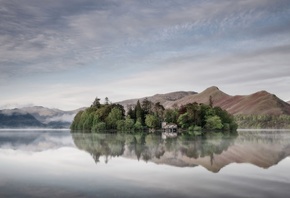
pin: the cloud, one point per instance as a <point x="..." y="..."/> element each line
<point x="62" y="118"/>
<point x="122" y="40"/>
<point x="54" y="36"/>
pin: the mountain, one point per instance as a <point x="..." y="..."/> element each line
<point x="36" y="116"/>
<point x="167" y="100"/>
<point x="18" y="119"/>
<point x="47" y="115"/>
<point x="259" y="103"/>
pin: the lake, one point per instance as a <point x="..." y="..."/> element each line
<point x="44" y="163"/>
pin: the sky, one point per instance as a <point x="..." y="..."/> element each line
<point x="65" y="53"/>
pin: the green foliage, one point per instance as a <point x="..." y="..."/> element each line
<point x="99" y="127"/>
<point x="114" y="116"/>
<point x="152" y="121"/>
<point x="96" y="103"/>
<point x="138" y="126"/>
<point x="77" y="118"/>
<point x="183" y="121"/>
<point x="139" y="113"/>
<point x="213" y="123"/>
<point x="129" y="124"/>
<point x="98" y="117"/>
<point x="121" y="125"/>
<point x="88" y="123"/>
<point x="171" y="115"/>
<point x="131" y="114"/>
<point x="147" y="106"/>
<point x="148" y="110"/>
<point x="195" y="116"/>
<point x="158" y="109"/>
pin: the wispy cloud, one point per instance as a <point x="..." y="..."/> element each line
<point x="121" y="39"/>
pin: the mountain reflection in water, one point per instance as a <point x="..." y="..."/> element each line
<point x="213" y="151"/>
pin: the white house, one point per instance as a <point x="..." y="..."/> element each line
<point x="169" y="127"/>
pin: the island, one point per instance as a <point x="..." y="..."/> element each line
<point x="148" y="116"/>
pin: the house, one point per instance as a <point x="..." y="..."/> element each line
<point x="169" y="127"/>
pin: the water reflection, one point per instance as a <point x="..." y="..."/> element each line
<point x="48" y="164"/>
<point x="35" y="141"/>
<point x="213" y="151"/>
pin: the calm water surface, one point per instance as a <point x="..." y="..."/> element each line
<point x="65" y="164"/>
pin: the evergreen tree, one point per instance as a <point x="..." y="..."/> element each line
<point x="147" y="106"/>
<point x="96" y="103"/>
<point x="139" y="113"/>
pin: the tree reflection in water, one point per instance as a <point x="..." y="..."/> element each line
<point x="151" y="147"/>
<point x="212" y="151"/>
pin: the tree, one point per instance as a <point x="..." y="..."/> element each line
<point x="138" y="125"/>
<point x="77" y="118"/>
<point x="129" y="124"/>
<point x="99" y="127"/>
<point x="114" y="116"/>
<point x="152" y="121"/>
<point x="192" y="110"/>
<point x="96" y="103"/>
<point x="213" y="122"/>
<point x="103" y="112"/>
<point x="183" y="121"/>
<point x="121" y="125"/>
<point x="139" y="113"/>
<point x="171" y="115"/>
<point x="158" y="109"/>
<point x="131" y="113"/>
<point x="210" y="101"/>
<point x="88" y="123"/>
<point x="106" y="100"/>
<point x="147" y="106"/>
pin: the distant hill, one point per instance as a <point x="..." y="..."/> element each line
<point x="36" y="116"/>
<point x="167" y="100"/>
<point x="47" y="115"/>
<point x="17" y="119"/>
<point x="259" y="103"/>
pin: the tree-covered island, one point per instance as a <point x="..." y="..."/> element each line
<point x="148" y="115"/>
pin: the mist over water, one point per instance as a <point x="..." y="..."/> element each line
<point x="63" y="164"/>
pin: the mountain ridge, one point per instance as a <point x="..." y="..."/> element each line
<point x="258" y="103"/>
<point x="165" y="99"/>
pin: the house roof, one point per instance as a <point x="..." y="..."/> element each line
<point x="170" y="125"/>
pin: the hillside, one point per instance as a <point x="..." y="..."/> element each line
<point x="259" y="103"/>
<point x="16" y="119"/>
<point x="47" y="115"/>
<point x="167" y="100"/>
<point x="36" y="116"/>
